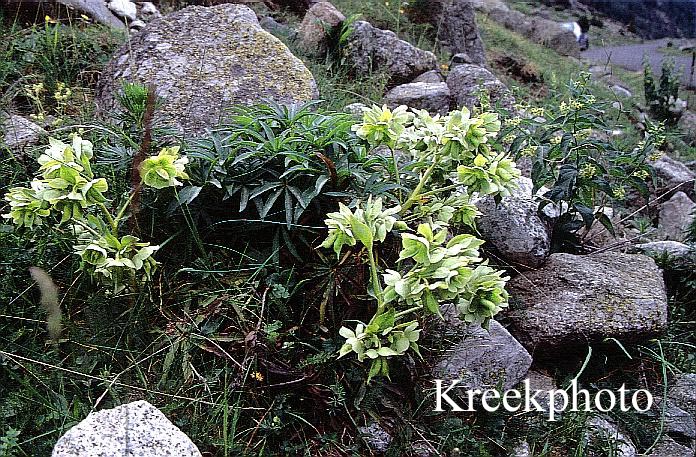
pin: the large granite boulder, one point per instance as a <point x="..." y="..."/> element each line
<point x="135" y="429"/>
<point x="676" y="215"/>
<point x="371" y="50"/>
<point x="467" y="81"/>
<point x="432" y="97"/>
<point x="514" y="227"/>
<point x="578" y="299"/>
<point x="454" y="22"/>
<point x="481" y="359"/>
<point x="202" y="60"/>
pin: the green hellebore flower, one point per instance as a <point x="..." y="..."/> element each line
<point x="162" y="170"/>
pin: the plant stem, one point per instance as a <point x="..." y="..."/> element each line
<point x="416" y="192"/>
<point x="406" y="311"/>
<point x="113" y="223"/>
<point x="377" y="287"/>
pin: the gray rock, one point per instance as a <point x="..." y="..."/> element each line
<point x="514" y="227"/>
<point x="137" y="25"/>
<point x="371" y="50"/>
<point x="224" y="58"/>
<point x="672" y="248"/>
<point x="432" y="76"/>
<point x="124" y="9"/>
<point x="541" y="381"/>
<point x="466" y="82"/>
<point x="135" y="429"/>
<point x="687" y="124"/>
<point x="521" y="450"/>
<point x="672" y="173"/>
<point x="621" y="91"/>
<point x="149" y="11"/>
<point x="276" y="28"/>
<point x="318" y="22"/>
<point x="578" y="299"/>
<point x="601" y="431"/>
<point x="432" y="97"/>
<point x="460" y="59"/>
<point x="539" y="30"/>
<point x="376" y="437"/>
<point x="454" y="22"/>
<point x="19" y="133"/>
<point x="667" y="447"/>
<point x="676" y="215"/>
<point x="482" y="359"/>
<point x="676" y="420"/>
<point x="356" y="109"/>
<point x="97" y="9"/>
<point x="683" y="392"/>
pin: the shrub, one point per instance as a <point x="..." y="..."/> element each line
<point x="574" y="156"/>
<point x="663" y="98"/>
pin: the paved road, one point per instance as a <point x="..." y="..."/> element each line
<point x="631" y="56"/>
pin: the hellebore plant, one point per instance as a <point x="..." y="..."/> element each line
<point x="66" y="192"/>
<point x="454" y="160"/>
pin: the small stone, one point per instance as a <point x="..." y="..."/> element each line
<point x="575" y="300"/>
<point x="676" y="215"/>
<point x="376" y="437"/>
<point x="137" y="25"/>
<point x="317" y="24"/>
<point x="600" y="430"/>
<point x="676" y="420"/>
<point x="149" y="10"/>
<point x="135" y="429"/>
<point x="514" y="227"/>
<point x="671" y="248"/>
<point x="432" y="97"/>
<point x="521" y="450"/>
<point x="276" y="28"/>
<point x="356" y="109"/>
<point x="432" y="76"/>
<point x="124" y="9"/>
<point x="667" y="447"/>
<point x="19" y="133"/>
<point x="461" y="59"/>
<point x="621" y="91"/>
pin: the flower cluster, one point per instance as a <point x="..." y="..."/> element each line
<point x="446" y="273"/>
<point x="367" y="225"/>
<point x="165" y="169"/>
<point x="66" y="185"/>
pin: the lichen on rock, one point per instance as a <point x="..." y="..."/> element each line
<point x="202" y="60"/>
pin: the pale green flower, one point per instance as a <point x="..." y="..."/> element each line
<point x="165" y="169"/>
